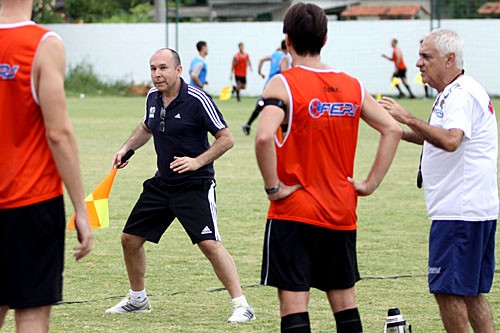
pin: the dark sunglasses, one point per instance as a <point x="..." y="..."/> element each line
<point x="162" y="120"/>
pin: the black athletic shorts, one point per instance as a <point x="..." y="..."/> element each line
<point x="32" y="254"/>
<point x="400" y="73"/>
<point x="192" y="203"/>
<point x="241" y="79"/>
<point x="298" y="256"/>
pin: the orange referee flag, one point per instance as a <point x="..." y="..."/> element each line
<point x="97" y="204"/>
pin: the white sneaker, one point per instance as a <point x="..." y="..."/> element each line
<point x="241" y="314"/>
<point x="126" y="305"/>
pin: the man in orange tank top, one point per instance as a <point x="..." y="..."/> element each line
<point x="38" y="154"/>
<point x="310" y="238"/>
<point x="400" y="67"/>
<point x="241" y="61"/>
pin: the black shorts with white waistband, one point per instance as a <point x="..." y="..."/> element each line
<point x="299" y="256"/>
<point x="32" y="254"/>
<point x="192" y="203"/>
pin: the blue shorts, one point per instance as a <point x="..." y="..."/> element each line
<point x="461" y="257"/>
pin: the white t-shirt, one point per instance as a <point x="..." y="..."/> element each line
<point x="462" y="185"/>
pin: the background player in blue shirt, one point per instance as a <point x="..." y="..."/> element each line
<point x="198" y="68"/>
<point x="279" y="61"/>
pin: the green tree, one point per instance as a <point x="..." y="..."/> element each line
<point x="462" y="9"/>
<point x="97" y="11"/>
<point x="94" y="11"/>
<point x="90" y="11"/>
<point x="44" y="11"/>
<point x="141" y="13"/>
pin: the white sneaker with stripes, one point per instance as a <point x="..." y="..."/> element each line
<point x="241" y="314"/>
<point x="126" y="305"/>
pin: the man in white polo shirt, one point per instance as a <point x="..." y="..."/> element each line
<point x="459" y="171"/>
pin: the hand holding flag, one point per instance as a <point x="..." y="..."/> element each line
<point x="125" y="158"/>
<point x="97" y="201"/>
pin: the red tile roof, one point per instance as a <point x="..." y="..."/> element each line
<point x="489" y="8"/>
<point x="385" y="11"/>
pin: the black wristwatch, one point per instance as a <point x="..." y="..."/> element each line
<point x="272" y="190"/>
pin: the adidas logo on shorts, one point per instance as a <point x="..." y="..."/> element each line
<point x="206" y="230"/>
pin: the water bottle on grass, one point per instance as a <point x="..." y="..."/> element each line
<point x="395" y="322"/>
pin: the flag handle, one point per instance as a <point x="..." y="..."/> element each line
<point x="126" y="157"/>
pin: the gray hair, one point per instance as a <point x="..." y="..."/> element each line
<point x="448" y="41"/>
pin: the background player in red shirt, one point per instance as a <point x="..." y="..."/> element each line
<point x="400" y="67"/>
<point x="241" y="61"/>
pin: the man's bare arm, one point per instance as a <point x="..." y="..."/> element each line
<point x="137" y="139"/>
<point x="49" y="71"/>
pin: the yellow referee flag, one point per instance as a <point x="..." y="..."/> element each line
<point x="418" y="78"/>
<point x="395" y="82"/>
<point x="225" y="93"/>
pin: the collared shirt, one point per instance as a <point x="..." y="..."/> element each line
<point x="188" y="120"/>
<point x="462" y="185"/>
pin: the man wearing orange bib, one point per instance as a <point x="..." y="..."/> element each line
<point x="310" y="238"/>
<point x="38" y="153"/>
<point x="241" y="61"/>
<point x="399" y="67"/>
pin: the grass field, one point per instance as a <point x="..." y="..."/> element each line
<point x="185" y="294"/>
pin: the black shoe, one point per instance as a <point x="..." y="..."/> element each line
<point x="412" y="96"/>
<point x="246" y="129"/>
<point x="401" y="96"/>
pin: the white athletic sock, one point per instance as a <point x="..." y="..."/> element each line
<point x="240" y="300"/>
<point x="137" y="296"/>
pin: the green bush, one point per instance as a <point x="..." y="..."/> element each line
<point x="141" y="13"/>
<point x="81" y="79"/>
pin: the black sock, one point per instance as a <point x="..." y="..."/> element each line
<point x="409" y="90"/>
<point x="253" y="116"/>
<point x="296" y="323"/>
<point x="348" y="321"/>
